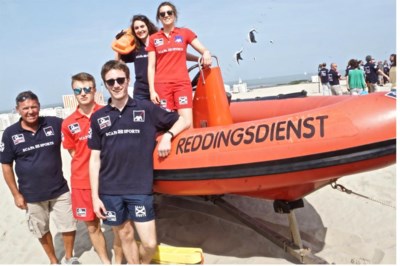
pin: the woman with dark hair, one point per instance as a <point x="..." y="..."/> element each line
<point x="169" y="81"/>
<point x="142" y="28"/>
<point x="355" y="79"/>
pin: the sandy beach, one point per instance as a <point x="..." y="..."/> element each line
<point x="341" y="228"/>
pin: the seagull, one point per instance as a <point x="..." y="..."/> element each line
<point x="238" y="55"/>
<point x="252" y="37"/>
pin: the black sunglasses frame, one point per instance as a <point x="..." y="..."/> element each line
<point x="164" y="14"/>
<point x="111" y="82"/>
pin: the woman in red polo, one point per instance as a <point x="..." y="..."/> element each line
<point x="169" y="81"/>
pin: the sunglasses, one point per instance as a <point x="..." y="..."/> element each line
<point x="164" y="14"/>
<point x="78" y="91"/>
<point x="111" y="82"/>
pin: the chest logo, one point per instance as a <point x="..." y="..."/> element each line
<point x="139" y="116"/>
<point x="179" y="39"/>
<point x="18" y="138"/>
<point x="104" y="122"/>
<point x="158" y="42"/>
<point x="74" y="128"/>
<point x="48" y="131"/>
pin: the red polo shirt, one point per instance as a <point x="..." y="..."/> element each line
<point x="171" y="54"/>
<point x="75" y="129"/>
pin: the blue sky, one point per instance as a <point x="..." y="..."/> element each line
<point x="44" y="42"/>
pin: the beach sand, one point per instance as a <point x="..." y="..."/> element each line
<point x="341" y="228"/>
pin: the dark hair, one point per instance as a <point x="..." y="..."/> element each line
<point x="167" y="4"/>
<point x="394" y="59"/>
<point x="114" y="64"/>
<point x="83" y="76"/>
<point x="353" y="63"/>
<point x="150" y="26"/>
<point x="26" y="95"/>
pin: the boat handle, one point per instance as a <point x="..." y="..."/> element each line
<point x="201" y="69"/>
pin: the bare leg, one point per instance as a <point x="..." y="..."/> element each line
<point x="69" y="239"/>
<point x="47" y="244"/>
<point x="98" y="240"/>
<point x="118" y="252"/>
<point x="148" y="238"/>
<point x="187" y="115"/>
<point x="128" y="242"/>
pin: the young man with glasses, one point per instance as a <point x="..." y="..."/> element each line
<point x="33" y="143"/>
<point x="75" y="129"/>
<point x="122" y="141"/>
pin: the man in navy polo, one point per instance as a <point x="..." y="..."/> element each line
<point x="371" y="74"/>
<point x="323" y="77"/>
<point x="334" y="80"/>
<point x="33" y="143"/>
<point x="122" y="140"/>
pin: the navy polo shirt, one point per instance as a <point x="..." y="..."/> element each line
<point x="334" y="77"/>
<point x="140" y="59"/>
<point x="323" y="73"/>
<point x="126" y="141"/>
<point x="370" y="70"/>
<point x="37" y="157"/>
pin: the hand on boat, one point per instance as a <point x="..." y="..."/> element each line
<point x="206" y="59"/>
<point x="164" y="147"/>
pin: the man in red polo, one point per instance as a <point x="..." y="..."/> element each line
<point x="75" y="129"/>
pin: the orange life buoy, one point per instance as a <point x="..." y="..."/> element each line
<point x="124" y="42"/>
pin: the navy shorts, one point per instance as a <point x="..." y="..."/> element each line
<point x="121" y="208"/>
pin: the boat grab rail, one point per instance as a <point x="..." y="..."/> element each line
<point x="201" y="69"/>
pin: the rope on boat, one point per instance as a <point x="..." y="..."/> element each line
<point x="342" y="188"/>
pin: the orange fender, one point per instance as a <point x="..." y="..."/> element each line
<point x="125" y="43"/>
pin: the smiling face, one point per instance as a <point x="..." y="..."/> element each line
<point x="29" y="112"/>
<point x="141" y="30"/>
<point x="117" y="84"/>
<point x="167" y="15"/>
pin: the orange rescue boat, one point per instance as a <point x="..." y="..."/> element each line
<point x="278" y="149"/>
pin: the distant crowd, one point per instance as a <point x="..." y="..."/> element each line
<point x="362" y="78"/>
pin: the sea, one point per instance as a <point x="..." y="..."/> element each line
<point x="266" y="82"/>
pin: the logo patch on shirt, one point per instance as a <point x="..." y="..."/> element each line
<point x="139" y="116"/>
<point x="158" y="42"/>
<point x="2" y="147"/>
<point x="183" y="100"/>
<point x="111" y="216"/>
<point x="74" y="128"/>
<point x="179" y="39"/>
<point x="48" y="131"/>
<point x="17" y="139"/>
<point x="81" y="212"/>
<point x="140" y="211"/>
<point x="104" y="122"/>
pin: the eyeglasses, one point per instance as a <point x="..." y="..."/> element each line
<point x="111" y="82"/>
<point x="169" y="13"/>
<point x="78" y="91"/>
